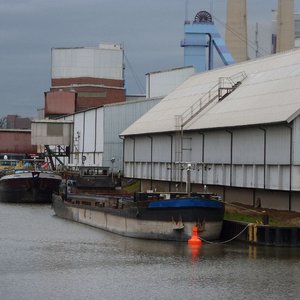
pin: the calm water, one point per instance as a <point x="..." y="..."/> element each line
<point x="44" y="257"/>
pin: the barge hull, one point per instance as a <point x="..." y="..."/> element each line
<point x="32" y="195"/>
<point x="158" y="224"/>
<point x="29" y="187"/>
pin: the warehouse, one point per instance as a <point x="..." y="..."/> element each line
<point x="237" y="127"/>
<point x="95" y="133"/>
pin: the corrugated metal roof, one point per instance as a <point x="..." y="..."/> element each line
<point x="269" y="94"/>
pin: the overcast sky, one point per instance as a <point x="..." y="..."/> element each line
<point x="150" y="30"/>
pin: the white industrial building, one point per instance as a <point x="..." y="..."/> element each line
<point x="95" y="136"/>
<point x="95" y="133"/>
<point x="238" y="127"/>
<point x="161" y="83"/>
<point x="104" y="61"/>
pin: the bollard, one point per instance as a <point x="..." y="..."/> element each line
<point x="265" y="218"/>
<point x="195" y="240"/>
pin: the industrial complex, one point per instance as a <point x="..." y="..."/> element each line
<point x="235" y="127"/>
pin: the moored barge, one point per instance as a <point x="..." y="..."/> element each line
<point x="27" y="181"/>
<point x="161" y="216"/>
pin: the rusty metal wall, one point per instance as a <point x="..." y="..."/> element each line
<point x="60" y="102"/>
<point x="16" y="141"/>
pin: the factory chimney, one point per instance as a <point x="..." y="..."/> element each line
<point x="285" y="26"/>
<point x="236" y="29"/>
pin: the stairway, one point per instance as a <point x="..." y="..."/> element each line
<point x="224" y="87"/>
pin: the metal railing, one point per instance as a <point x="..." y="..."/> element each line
<point x="219" y="91"/>
<point x="223" y="88"/>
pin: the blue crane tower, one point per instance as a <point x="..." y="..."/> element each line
<point x="202" y="35"/>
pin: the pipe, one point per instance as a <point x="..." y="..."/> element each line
<point x="95" y="137"/>
<point x="210" y="52"/>
<point x="123" y="154"/>
<point x="133" y="156"/>
<point x="265" y="153"/>
<point x="203" y="136"/>
<point x="151" y="161"/>
<point x="188" y="180"/>
<point x="83" y="135"/>
<point x="171" y="170"/>
<point x="231" y="155"/>
<point x="291" y="161"/>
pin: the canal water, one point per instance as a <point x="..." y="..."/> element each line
<point x="45" y="257"/>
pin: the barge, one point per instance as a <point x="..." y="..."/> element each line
<point x="28" y="184"/>
<point x="159" y="216"/>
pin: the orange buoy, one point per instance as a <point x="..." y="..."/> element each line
<point x="195" y="240"/>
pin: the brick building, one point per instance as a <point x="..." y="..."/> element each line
<point x="83" y="78"/>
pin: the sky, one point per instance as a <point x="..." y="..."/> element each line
<point x="150" y="30"/>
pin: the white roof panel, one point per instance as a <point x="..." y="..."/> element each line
<point x="269" y="94"/>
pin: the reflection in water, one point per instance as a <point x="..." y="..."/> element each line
<point x="195" y="251"/>
<point x="44" y="257"/>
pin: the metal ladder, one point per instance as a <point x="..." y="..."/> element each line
<point x="224" y="87"/>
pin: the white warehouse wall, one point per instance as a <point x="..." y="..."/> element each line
<point x="161" y="83"/>
<point x="253" y="157"/>
<point x="88" y="137"/>
<point x="116" y="118"/>
<point x="96" y="132"/>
